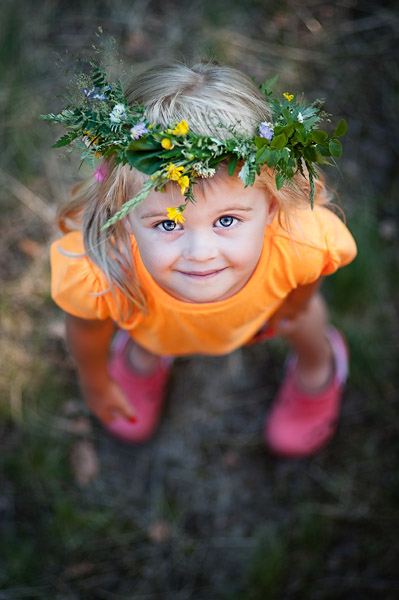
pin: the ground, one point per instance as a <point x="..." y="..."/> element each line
<point x="202" y="511"/>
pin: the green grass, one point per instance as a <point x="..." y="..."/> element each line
<point x="324" y="528"/>
<point x="363" y="297"/>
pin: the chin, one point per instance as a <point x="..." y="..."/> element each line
<point x="205" y="296"/>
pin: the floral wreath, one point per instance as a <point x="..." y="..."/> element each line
<point x="100" y="122"/>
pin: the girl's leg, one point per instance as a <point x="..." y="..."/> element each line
<point x="307" y="334"/>
<point x="141" y="360"/>
<point x="143" y="377"/>
<point x="305" y="412"/>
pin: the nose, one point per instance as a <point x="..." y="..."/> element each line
<point x="199" y="246"/>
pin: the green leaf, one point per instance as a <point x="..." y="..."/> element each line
<point x="232" y="164"/>
<point x="280" y="180"/>
<point x="273" y="158"/>
<point x="300" y="134"/>
<point x="143" y="144"/>
<point x="287" y="115"/>
<point x="341" y="128"/>
<point x="279" y="141"/>
<point x="98" y="77"/>
<point x="267" y="86"/>
<point x="260" y="141"/>
<point x="335" y="148"/>
<point x="319" y="136"/>
<point x="288" y="130"/>
<point x="247" y="174"/>
<point x="312" y="185"/>
<point x="285" y="154"/>
<point x="262" y="155"/>
<point x="320" y="156"/>
<point x="146" y="162"/>
<point x="310" y="154"/>
<point x="65" y="140"/>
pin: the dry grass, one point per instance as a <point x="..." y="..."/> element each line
<point x="202" y="511"/>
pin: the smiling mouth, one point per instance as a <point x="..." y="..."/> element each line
<point x="202" y="274"/>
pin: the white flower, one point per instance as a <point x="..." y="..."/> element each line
<point x="242" y="148"/>
<point x="118" y="113"/>
<point x="300" y="117"/>
<point x="138" y="130"/>
<point x="203" y="170"/>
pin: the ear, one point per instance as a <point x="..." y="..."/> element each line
<point x="272" y="210"/>
<point x="127" y="224"/>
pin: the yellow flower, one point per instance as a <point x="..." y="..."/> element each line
<point x="288" y="96"/>
<point x="93" y="140"/>
<point x="184" y="182"/>
<point x="175" y="214"/>
<point x="181" y="128"/>
<point x="166" y="143"/>
<point x="174" y="172"/>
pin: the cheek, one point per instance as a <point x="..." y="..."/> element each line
<point x="156" y="254"/>
<point x="247" y="250"/>
<point x="248" y="256"/>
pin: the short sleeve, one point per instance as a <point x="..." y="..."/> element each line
<point x="77" y="286"/>
<point x="319" y="244"/>
<point x="340" y="245"/>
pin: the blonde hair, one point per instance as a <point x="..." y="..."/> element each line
<point x="211" y="98"/>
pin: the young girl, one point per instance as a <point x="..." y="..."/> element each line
<point x="240" y="260"/>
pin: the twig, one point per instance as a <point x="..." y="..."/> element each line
<point x="36" y="204"/>
<point x="262" y="48"/>
<point x="16" y="398"/>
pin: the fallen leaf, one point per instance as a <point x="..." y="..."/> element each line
<point x="158" y="532"/>
<point x="29" y="247"/>
<point x="72" y="407"/>
<point x="231" y="459"/>
<point x="80" y="425"/>
<point x="78" y="570"/>
<point x="84" y="460"/>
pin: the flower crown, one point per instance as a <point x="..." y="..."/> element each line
<point x="102" y="124"/>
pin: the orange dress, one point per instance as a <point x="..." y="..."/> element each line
<point x="318" y="244"/>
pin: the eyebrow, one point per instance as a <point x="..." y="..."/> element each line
<point x="152" y="215"/>
<point x="233" y="208"/>
<point x="163" y="215"/>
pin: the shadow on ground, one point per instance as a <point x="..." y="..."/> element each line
<point x="201" y="512"/>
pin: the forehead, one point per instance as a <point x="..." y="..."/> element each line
<point x="214" y="194"/>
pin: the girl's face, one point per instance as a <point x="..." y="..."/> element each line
<point x="212" y="255"/>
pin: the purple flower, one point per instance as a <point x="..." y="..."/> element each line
<point x="95" y="93"/>
<point x="138" y="130"/>
<point x="266" y="131"/>
<point x="101" y="173"/>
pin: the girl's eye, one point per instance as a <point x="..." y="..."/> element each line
<point x="167" y="225"/>
<point x="226" y="221"/>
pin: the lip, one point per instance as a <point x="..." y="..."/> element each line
<point x="202" y="274"/>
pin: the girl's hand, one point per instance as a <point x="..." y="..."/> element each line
<point x="107" y="401"/>
<point x="294" y="310"/>
<point x="89" y="342"/>
<point x="290" y="322"/>
<point x="283" y="319"/>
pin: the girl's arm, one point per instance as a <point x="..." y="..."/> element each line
<point x="295" y="304"/>
<point x="89" y="342"/>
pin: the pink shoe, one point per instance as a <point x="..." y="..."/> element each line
<point x="301" y="422"/>
<point x="145" y="392"/>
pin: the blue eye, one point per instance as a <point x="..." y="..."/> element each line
<point x="167" y="225"/>
<point x="226" y="221"/>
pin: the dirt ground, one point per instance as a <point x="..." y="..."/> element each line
<point x="202" y="511"/>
